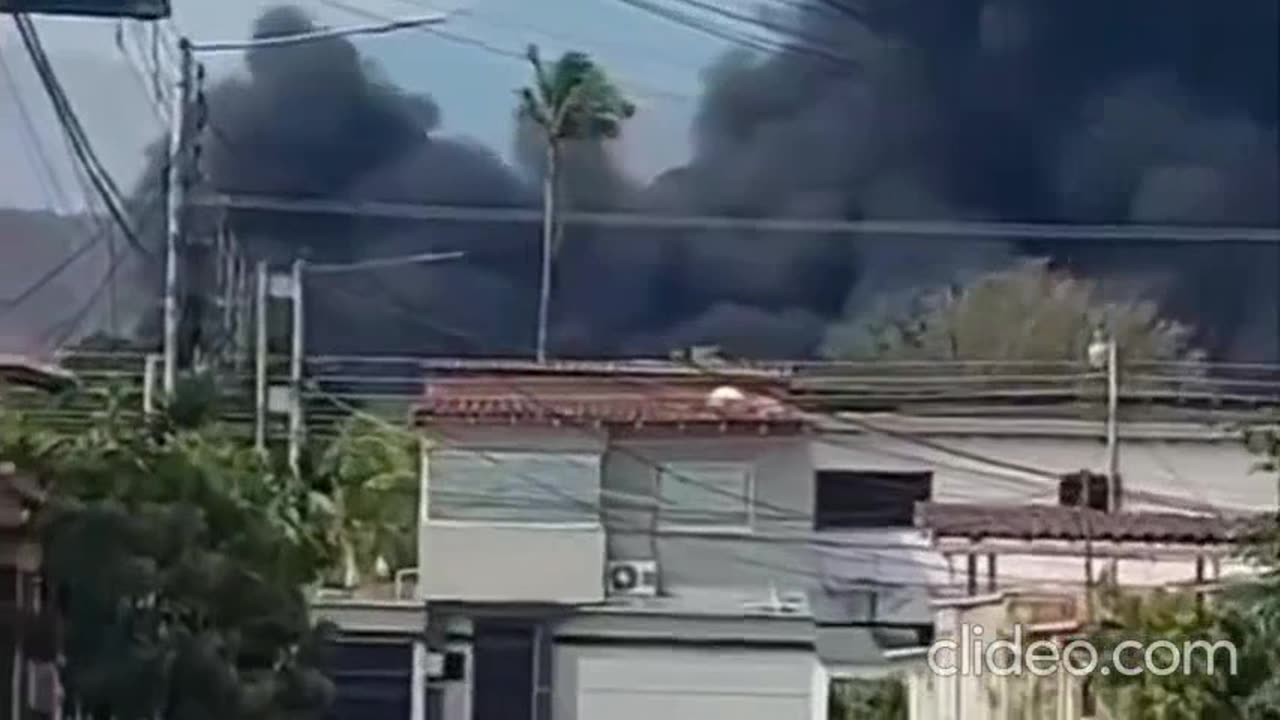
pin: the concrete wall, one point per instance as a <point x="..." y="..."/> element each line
<point x="673" y="683"/>
<point x="1158" y="474"/>
<point x="1182" y="472"/>
<point x="511" y="562"/>
<point x="523" y="564"/>
<point x="776" y="550"/>
<point x="489" y="562"/>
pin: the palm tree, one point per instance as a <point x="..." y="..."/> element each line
<point x="572" y="99"/>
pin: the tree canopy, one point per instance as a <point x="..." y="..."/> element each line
<point x="1028" y="313"/>
<point x="180" y="557"/>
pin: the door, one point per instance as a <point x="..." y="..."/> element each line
<point x="511" y="671"/>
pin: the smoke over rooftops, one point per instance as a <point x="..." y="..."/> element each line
<point x="948" y="109"/>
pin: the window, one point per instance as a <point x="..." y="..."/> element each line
<point x="515" y="486"/>
<point x="705" y="495"/>
<point x="1072" y="490"/>
<point x="861" y="499"/>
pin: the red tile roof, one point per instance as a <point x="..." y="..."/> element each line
<point x="1055" y="522"/>
<point x="540" y="399"/>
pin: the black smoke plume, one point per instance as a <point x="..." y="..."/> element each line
<point x="1054" y="111"/>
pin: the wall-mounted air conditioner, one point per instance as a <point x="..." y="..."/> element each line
<point x="632" y="578"/>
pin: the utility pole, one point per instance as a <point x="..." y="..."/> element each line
<point x="261" y="298"/>
<point x="1113" y="426"/>
<point x="1104" y="355"/>
<point x="177" y="175"/>
<point x="296" y="355"/>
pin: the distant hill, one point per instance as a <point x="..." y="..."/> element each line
<point x="32" y="243"/>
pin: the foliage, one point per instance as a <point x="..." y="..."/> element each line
<point x="880" y="699"/>
<point x="1245" y="613"/>
<point x="1030" y="313"/>
<point x="1179" y="618"/>
<point x="369" y="479"/>
<point x="573" y="99"/>
<point x="179" y="557"/>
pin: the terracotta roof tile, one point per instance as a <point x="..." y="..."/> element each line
<point x="1055" y="522"/>
<point x="607" y="400"/>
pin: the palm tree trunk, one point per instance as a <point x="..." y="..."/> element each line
<point x="548" y="240"/>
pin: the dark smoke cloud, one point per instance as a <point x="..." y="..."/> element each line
<point x="1021" y="110"/>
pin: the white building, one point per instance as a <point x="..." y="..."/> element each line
<point x="623" y="547"/>
<point x="621" y="542"/>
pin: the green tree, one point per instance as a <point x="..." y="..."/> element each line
<point x="1030" y="313"/>
<point x="879" y="699"/>
<point x="572" y="99"/>
<point x="369" y="480"/>
<point x="1245" y="613"/>
<point x="179" y="557"/>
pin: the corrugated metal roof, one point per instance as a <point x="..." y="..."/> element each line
<point x="1055" y="522"/>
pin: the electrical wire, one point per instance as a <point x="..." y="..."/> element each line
<point x="11" y="304"/>
<point x="911" y="228"/>
<point x="376" y="263"/>
<point x="60" y="334"/>
<point x="852" y="550"/>
<point x="37" y="155"/>
<point x="467" y="41"/>
<point x="99" y="177"/>
<point x="642" y="53"/>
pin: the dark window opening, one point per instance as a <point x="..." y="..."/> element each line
<point x="1083" y="489"/>
<point x="373" y="680"/>
<point x="511" y="671"/>
<point x="868" y="499"/>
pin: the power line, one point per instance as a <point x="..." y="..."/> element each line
<point x="54" y="192"/>
<point x="465" y="40"/>
<point x="418" y="259"/>
<point x="911" y="228"/>
<point x="383" y="27"/>
<point x="841" y="548"/>
<point x="98" y="176"/>
<point x="796" y="43"/>
<point x="13" y="303"/>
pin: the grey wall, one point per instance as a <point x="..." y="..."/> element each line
<point x="776" y="549"/>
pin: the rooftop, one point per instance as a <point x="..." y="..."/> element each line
<point x="1054" y="522"/>
<point x="537" y="398"/>
<point x="21" y="370"/>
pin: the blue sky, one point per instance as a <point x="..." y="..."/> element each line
<point x="659" y="63"/>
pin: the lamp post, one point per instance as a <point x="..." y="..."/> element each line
<point x="1103" y="355"/>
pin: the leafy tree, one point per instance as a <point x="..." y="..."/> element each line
<point x="1245" y="613"/>
<point x="1028" y="313"/>
<point x="369" y="478"/>
<point x="572" y="99"/>
<point x="179" y="558"/>
<point x="879" y="699"/>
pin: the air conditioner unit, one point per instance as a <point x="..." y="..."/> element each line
<point x="632" y="578"/>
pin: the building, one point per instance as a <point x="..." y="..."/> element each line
<point x="646" y="539"/>
<point x="873" y="469"/>
<point x="618" y="546"/>
<point x="1139" y="551"/>
<point x="28" y="648"/>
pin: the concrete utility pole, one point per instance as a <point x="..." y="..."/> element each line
<point x="177" y="174"/>
<point x="1104" y="355"/>
<point x="261" y="298"/>
<point x="297" y="353"/>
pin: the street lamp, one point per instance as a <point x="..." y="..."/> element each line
<point x="1103" y="356"/>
